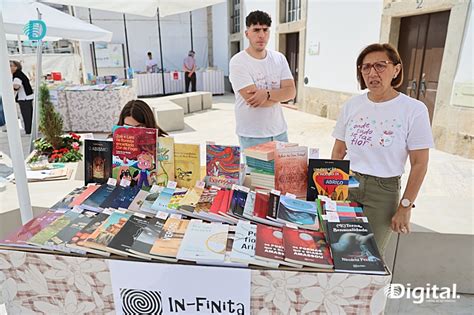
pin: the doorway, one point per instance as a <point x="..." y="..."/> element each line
<point x="421" y="46"/>
<point x="292" y="48"/>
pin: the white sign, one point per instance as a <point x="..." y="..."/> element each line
<point x="151" y="288"/>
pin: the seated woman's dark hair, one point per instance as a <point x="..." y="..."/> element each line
<point x="141" y="112"/>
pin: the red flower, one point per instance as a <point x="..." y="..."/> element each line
<point x="75" y="136"/>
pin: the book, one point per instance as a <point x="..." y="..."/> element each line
<point x="168" y="242"/>
<point x="76" y="243"/>
<point x="175" y="200"/>
<point x="269" y="245"/>
<point x="98" y="197"/>
<point x="46" y="175"/>
<point x="165" y="161"/>
<point x="204" y="242"/>
<point x="353" y="248"/>
<point x="291" y="170"/>
<point x="238" y="201"/>
<point x="64" y="203"/>
<point x="187" y="164"/>
<point x="222" y="165"/>
<point x="103" y="235"/>
<point x="150" y="200"/>
<point x="89" y="190"/>
<point x="267" y="166"/>
<point x="300" y="213"/>
<point x="161" y="203"/>
<point x="138" y="201"/>
<point x="149" y="234"/>
<point x="243" y="247"/>
<point x="206" y="201"/>
<point x="59" y="241"/>
<point x="125" y="238"/>
<point x="249" y="205"/>
<point x="308" y="248"/>
<point x="192" y="197"/>
<point x="328" y="178"/>
<point x="121" y="197"/>
<point x="134" y="155"/>
<point x="40" y="238"/>
<point x="20" y="237"/>
<point x="265" y="151"/>
<point x="97" y="161"/>
<point x="273" y="202"/>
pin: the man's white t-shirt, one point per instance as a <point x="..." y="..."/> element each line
<point x="150" y="63"/>
<point x="267" y="73"/>
<point x="378" y="136"/>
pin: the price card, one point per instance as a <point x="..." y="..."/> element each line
<point x="112" y="181"/>
<point x="171" y="184"/>
<point x="313" y="153"/>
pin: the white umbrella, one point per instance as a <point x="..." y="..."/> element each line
<point x="14" y="14"/>
<point x="141" y="7"/>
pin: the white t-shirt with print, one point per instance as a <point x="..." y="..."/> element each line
<point x="378" y="136"/>
<point x="267" y="73"/>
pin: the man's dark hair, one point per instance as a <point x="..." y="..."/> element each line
<point x="149" y="53"/>
<point x="258" y="17"/>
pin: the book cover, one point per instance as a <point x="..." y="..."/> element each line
<point x="168" y="242"/>
<point x="149" y="201"/>
<point x="266" y="166"/>
<point x="149" y="234"/>
<point x="84" y="195"/>
<point x="121" y="197"/>
<point x="101" y="237"/>
<point x="165" y="161"/>
<point x="175" y="200"/>
<point x="191" y="199"/>
<point x="77" y="241"/>
<point x="249" y="205"/>
<point x="125" y="238"/>
<point x="207" y="200"/>
<point x="161" y="203"/>
<point x="303" y="214"/>
<point x="60" y="240"/>
<point x="354" y="249"/>
<point x="98" y="196"/>
<point x="19" y="237"/>
<point x="134" y="155"/>
<point x="222" y="165"/>
<point x="53" y="228"/>
<point x="273" y="202"/>
<point x="97" y="161"/>
<point x="261" y="205"/>
<point x="269" y="244"/>
<point x="204" y="242"/>
<point x="237" y="204"/>
<point x="265" y="151"/>
<point x="328" y="178"/>
<point x="187" y="164"/>
<point x="306" y="247"/>
<point x="64" y="203"/>
<point x="138" y="201"/>
<point x="291" y="170"/>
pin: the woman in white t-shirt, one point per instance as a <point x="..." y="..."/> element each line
<point x="378" y="131"/>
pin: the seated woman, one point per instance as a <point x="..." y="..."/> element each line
<point x="378" y="131"/>
<point x="137" y="113"/>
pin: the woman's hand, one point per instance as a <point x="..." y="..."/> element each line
<point x="401" y="220"/>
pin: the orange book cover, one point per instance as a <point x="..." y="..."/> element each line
<point x="291" y="170"/>
<point x="168" y="242"/>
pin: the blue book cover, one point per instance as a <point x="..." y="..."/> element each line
<point x="301" y="213"/>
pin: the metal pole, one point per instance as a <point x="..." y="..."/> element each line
<point x="35" y="120"/>
<point x="126" y="43"/>
<point x="191" y="28"/>
<point x="94" y="61"/>
<point x="161" y="51"/>
<point x="14" y="138"/>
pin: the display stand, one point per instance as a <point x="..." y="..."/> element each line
<point x="55" y="283"/>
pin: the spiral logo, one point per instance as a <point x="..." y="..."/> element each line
<point x="392" y="291"/>
<point x="141" y="302"/>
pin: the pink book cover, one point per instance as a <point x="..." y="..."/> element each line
<point x="31" y="228"/>
<point x="266" y="150"/>
<point x="85" y="194"/>
<point x="291" y="170"/>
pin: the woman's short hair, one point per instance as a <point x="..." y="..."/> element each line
<point x="17" y="64"/>
<point x="141" y="112"/>
<point x="392" y="54"/>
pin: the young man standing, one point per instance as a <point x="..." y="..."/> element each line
<point x="261" y="79"/>
<point x="151" y="64"/>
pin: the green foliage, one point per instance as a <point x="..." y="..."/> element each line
<point x="51" y="123"/>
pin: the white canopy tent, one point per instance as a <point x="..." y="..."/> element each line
<point x="141" y="7"/>
<point x="14" y="14"/>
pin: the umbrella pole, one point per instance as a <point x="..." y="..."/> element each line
<point x="35" y="120"/>
<point x="161" y="50"/>
<point x="14" y="138"/>
<point x="126" y="43"/>
<point x="191" y="28"/>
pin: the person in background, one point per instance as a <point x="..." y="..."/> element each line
<point x="24" y="94"/>
<point x="378" y="131"/>
<point x="137" y="113"/>
<point x="151" y="64"/>
<point x="261" y="79"/>
<point x="2" y="117"/>
<point x="189" y="68"/>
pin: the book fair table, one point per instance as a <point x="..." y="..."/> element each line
<point x="45" y="283"/>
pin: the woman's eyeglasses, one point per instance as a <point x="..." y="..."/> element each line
<point x="379" y="66"/>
